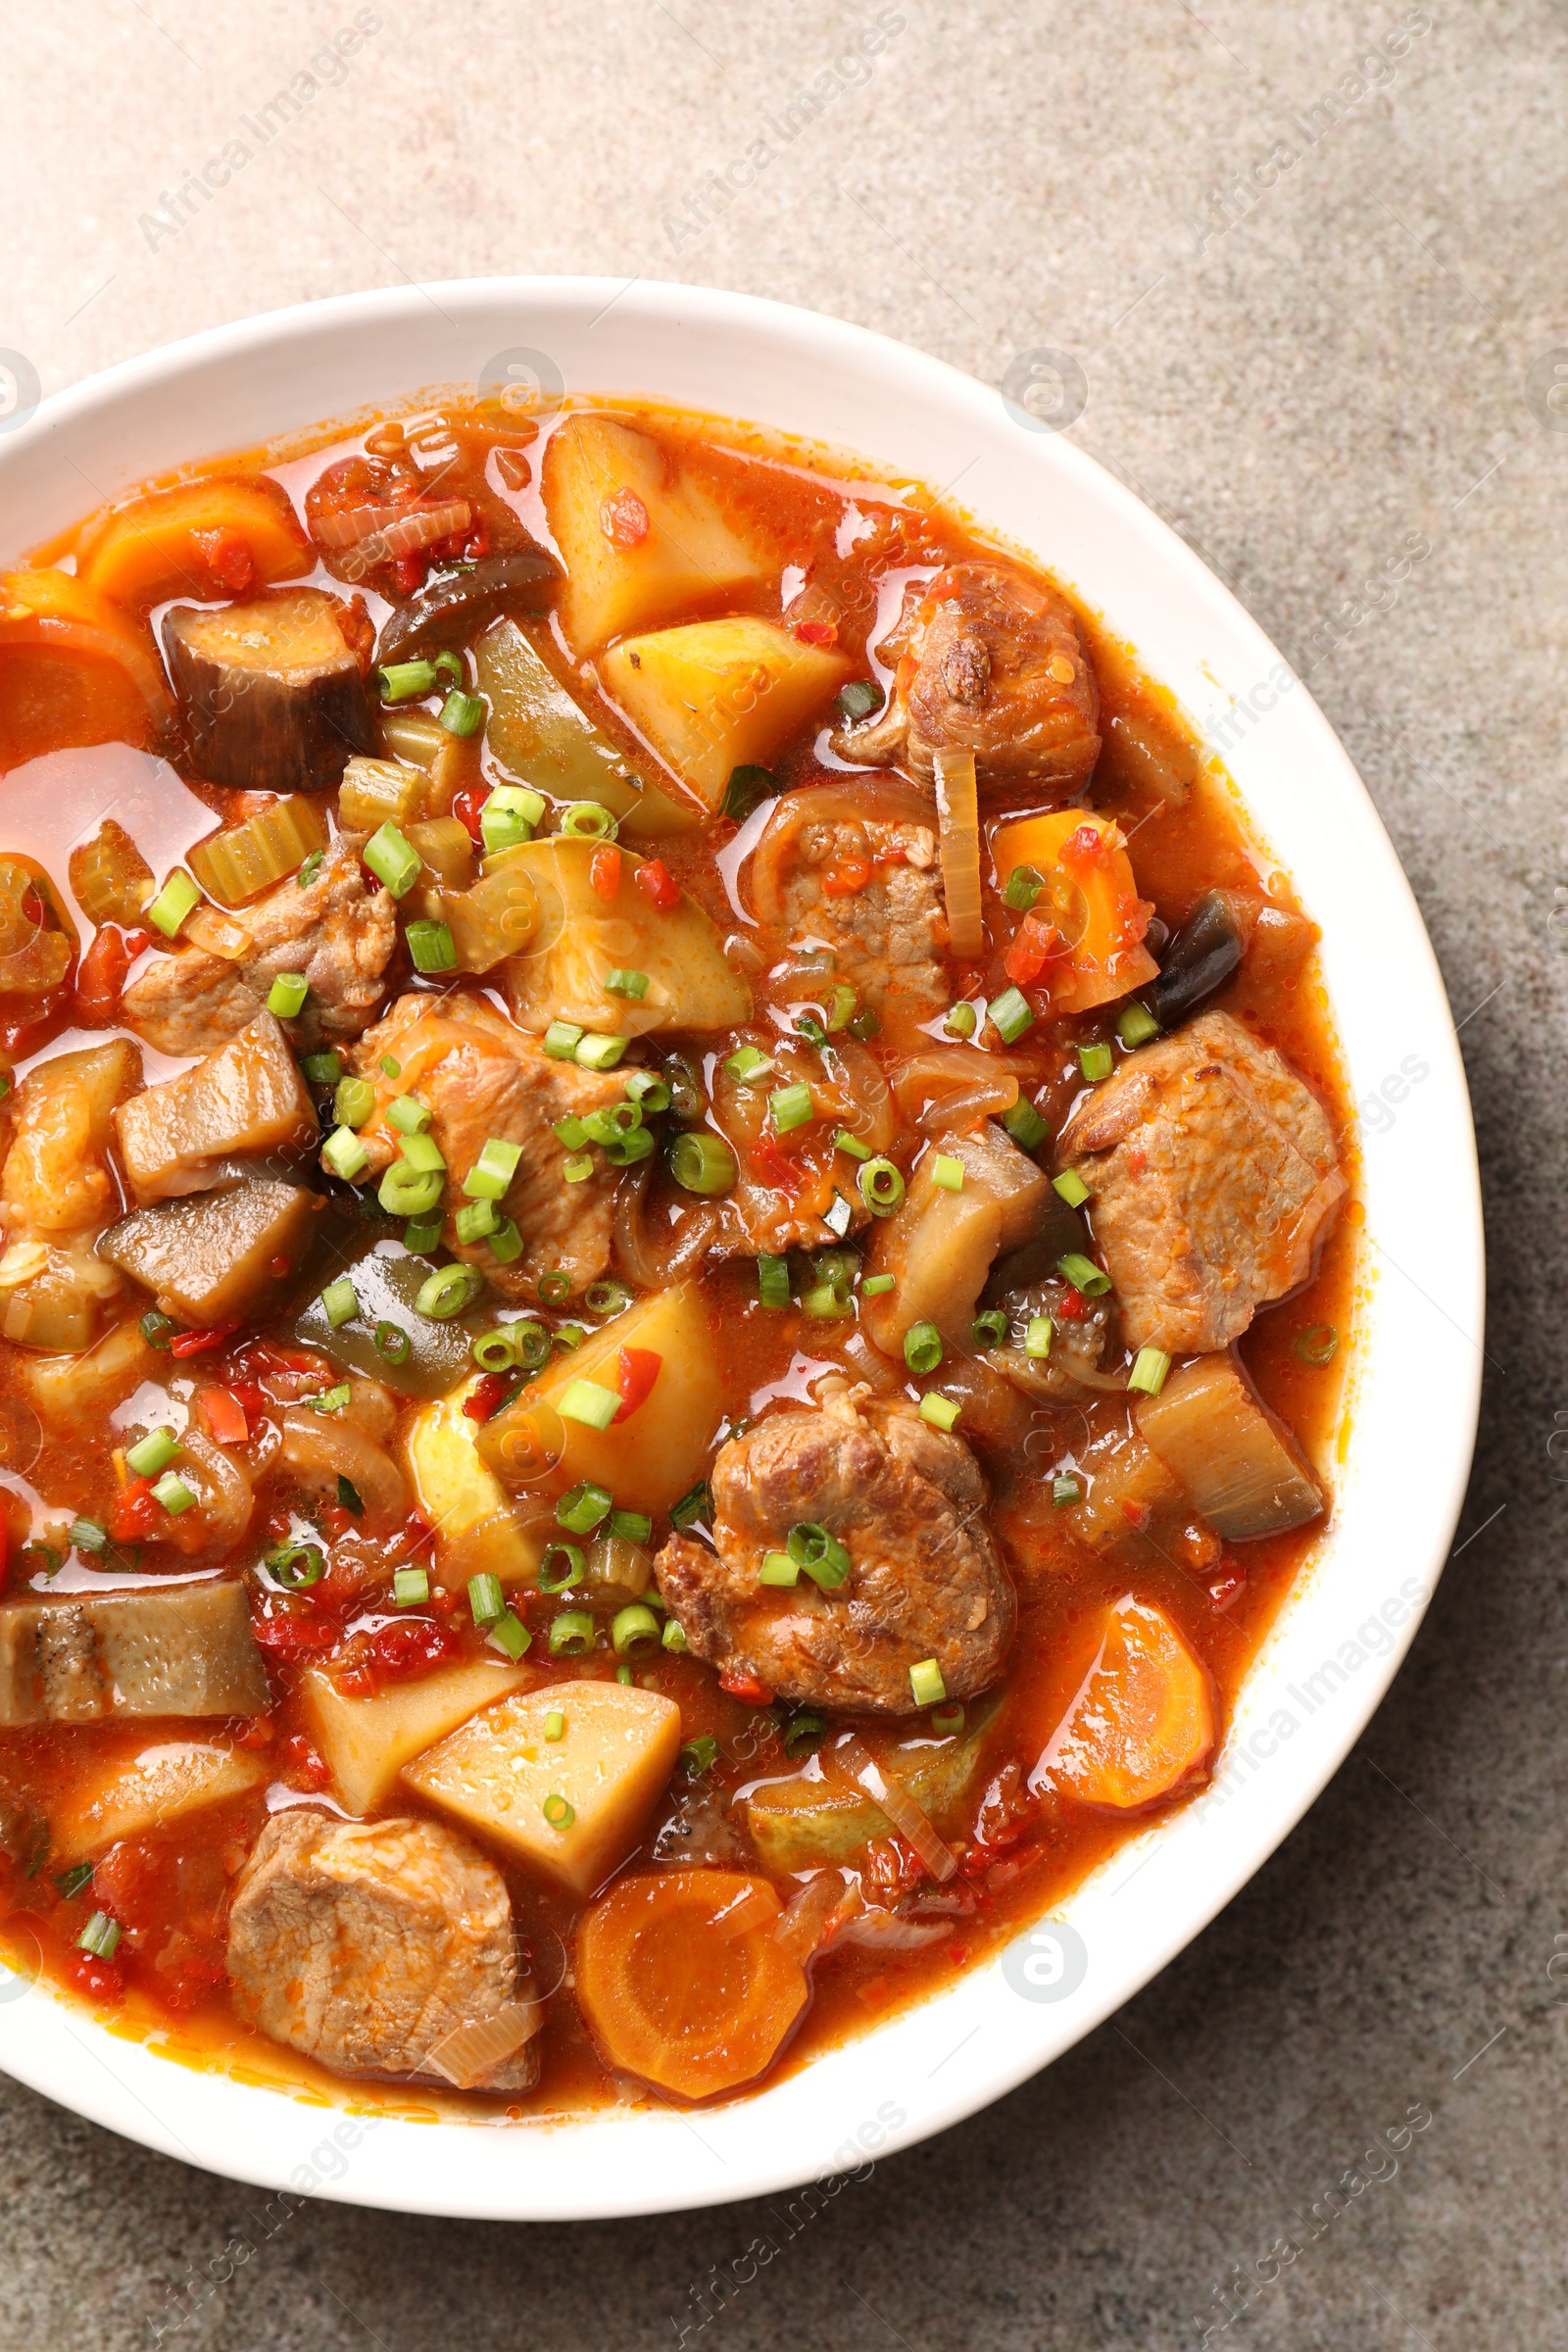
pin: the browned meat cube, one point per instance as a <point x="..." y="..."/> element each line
<point x="480" y="1076"/>
<point x="1214" y="1177"/>
<point x="858" y="870"/>
<point x="210" y="1257"/>
<point x="246" y="1099"/>
<point x="77" y="1658"/>
<point x="925" y="1578"/>
<point x="365" y="1944"/>
<point x="338" y="933"/>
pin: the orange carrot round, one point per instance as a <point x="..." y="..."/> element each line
<point x="1143" y="1719"/>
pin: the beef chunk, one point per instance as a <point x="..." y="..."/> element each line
<point x="365" y="1944"/>
<point x="926" y="1579"/>
<point x="1214" y="1176"/>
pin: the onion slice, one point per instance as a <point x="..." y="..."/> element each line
<point x="469" y="2054"/>
<point x="958" y="813"/>
<point x="899" y="1807"/>
<point x="757" y="1907"/>
<point x="813" y="1915"/>
<point x="401" y="530"/>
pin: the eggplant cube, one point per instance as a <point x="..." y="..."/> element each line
<point x="213" y="1257"/>
<point x="272" y="693"/>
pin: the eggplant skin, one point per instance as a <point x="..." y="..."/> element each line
<point x="456" y="605"/>
<point x="273" y="695"/>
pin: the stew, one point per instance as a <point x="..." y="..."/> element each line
<point x="676" y="1263"/>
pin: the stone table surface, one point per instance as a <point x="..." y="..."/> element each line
<point x="1312" y="254"/>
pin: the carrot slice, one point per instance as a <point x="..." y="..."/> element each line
<point x="205" y="539"/>
<point x="74" y="669"/>
<point x="1091" y="901"/>
<point x="682" y="1982"/>
<point x="1143" y="1717"/>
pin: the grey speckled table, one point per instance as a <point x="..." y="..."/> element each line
<point x="1308" y="293"/>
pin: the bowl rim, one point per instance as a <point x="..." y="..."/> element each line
<point x="824" y="2124"/>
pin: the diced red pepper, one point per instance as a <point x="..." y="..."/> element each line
<point x="773" y="1168"/>
<point x="657" y="884"/>
<point x="603" y="869"/>
<point x="135" y="1515"/>
<point x="817" y="632"/>
<point x="100" y="977"/>
<point x="224" y="1416"/>
<point x="1085" y="847"/>
<point x="486" y="1396"/>
<point x="746" y="1686"/>
<point x="227" y="557"/>
<point x="1072" y="1306"/>
<point x="403" y="1653"/>
<point x="843" y="881"/>
<point x="408" y="572"/>
<point x="636" y="1370"/>
<point x="201" y="1343"/>
<point x="295" y="1637"/>
<point x="100" y="1980"/>
<point x="623" y="520"/>
<point x="303" y="1763"/>
<point x="468" y="806"/>
<point x="1031" y="951"/>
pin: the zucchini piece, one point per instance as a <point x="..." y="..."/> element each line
<point x="273" y="696"/>
<point x="248" y="858"/>
<point x="541" y="735"/>
<point x="210" y="1258"/>
<point x="455" y="608"/>
<point x="1239" y="1462"/>
<point x="246" y="1099"/>
<point x="803" y="1824"/>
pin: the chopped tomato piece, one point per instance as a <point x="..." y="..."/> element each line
<point x="770" y="1164"/>
<point x="1031" y="951"/>
<point x="303" y="1763"/>
<point x="408" y="572"/>
<point x="201" y="1343"/>
<point x="294" y="1636"/>
<point x="817" y="632"/>
<point x="1087" y="846"/>
<point x="636" y="1370"/>
<point x="135" y="1515"/>
<point x="100" y="1980"/>
<point x="843" y="881"/>
<point x="101" y="975"/>
<point x="468" y="806"/>
<point x="402" y="1653"/>
<point x="657" y="884"/>
<point x="227" y="557"/>
<point x="603" y="869"/>
<point x="224" y="1416"/>
<point x="623" y="520"/>
<point x="746" y="1686"/>
<point x="487" y="1395"/>
<point x="1072" y="1306"/>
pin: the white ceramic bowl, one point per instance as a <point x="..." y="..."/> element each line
<point x="1339" y="1638"/>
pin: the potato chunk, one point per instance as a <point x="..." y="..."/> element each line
<point x="366" y="1742"/>
<point x="476" y="1526"/>
<point x="649" y="1459"/>
<point x="719" y="694"/>
<point x="245" y="1098"/>
<point x="639" y="536"/>
<point x="582" y="937"/>
<point x="160" y="1785"/>
<point x="56" y="1174"/>
<point x="939" y="1246"/>
<point x="74" y="1391"/>
<point x="499" y="1772"/>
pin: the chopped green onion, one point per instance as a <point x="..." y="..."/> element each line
<point x="410" y="1588"/>
<point x="1083" y="1273"/>
<point x="578" y="1167"/>
<point x="288" y="994"/>
<point x="560" y="1580"/>
<point x="296" y="1566"/>
<point x="812" y="1029"/>
<point x="778" y="1569"/>
<point x="632" y="1527"/>
<point x="531" y="1345"/>
<point x="392" y="1342"/>
<point x="747" y="789"/>
<point x="675" y="1636"/>
<point x="570" y="1131"/>
<point x="585" y="1400"/>
<point x="508" y="818"/>
<point x="828" y="1302"/>
<point x="704" y="1164"/>
<point x="696" y="1504"/>
<point x="923" y="1346"/>
<point x="818" y="1550"/>
<point x="493" y="1170"/>
<point x="571" y="1633"/>
<point x="699" y="1755"/>
<point x="506" y="1242"/>
<point x="406" y="682"/>
<point x="71" y="1882"/>
<point x="844" y="1141"/>
<point x="462" y="714"/>
<point x="608" y="1296"/>
<point x="858" y="699"/>
<point x="939" y="1411"/>
<point x="432" y="947"/>
<point x="344" y="1154"/>
<point x="407" y="1115"/>
<point x="581" y="1509"/>
<point x="152" y="1453"/>
<point x="949" y="1721"/>
<point x="840" y="1007"/>
<point x="562" y="1039"/>
<point x="947" y="1172"/>
<point x="557" y="1811"/>
<point x="1151" y="1368"/>
<point x="330" y="1400"/>
<point x="1065" y="1490"/>
<point x="390" y="1066"/>
<point x="177" y="898"/>
<point x="340" y="1301"/>
<point x="449" y="666"/>
<point x="595" y="1053"/>
<point x="510" y="1635"/>
<point x="493" y="1351"/>
<point x="423" y="1154"/>
<point x="612" y="1124"/>
<point x="792" y="1106"/>
<point x="485" y="1599"/>
<point x="773" y="1281"/>
<point x="87" y="1536"/>
<point x="554" y="1725"/>
<point x="1011" y="1016"/>
<point x="447" y="1291"/>
<point x="173" y="1493"/>
<point x="880" y="1186"/>
<point x="406" y="1192"/>
<point x="1071" y="1186"/>
<point x="392" y="859"/>
<point x="1095" y="1062"/>
<point x="804" y="1733"/>
<point x="423" y="1234"/>
<point x="1317" y="1346"/>
<point x="747" y="1065"/>
<point x="623" y="983"/>
<point x="475" y="1221"/>
<point x="1135" y="1026"/>
<point x="1039" y="1336"/>
<point x="100" y="1936"/>
<point x="648" y="1090"/>
<point x="630" y="1628"/>
<point x="310" y="869"/>
<point x="588" y="820"/>
<point x="627" y="1150"/>
<point x="1023" y="886"/>
<point x="989" y="1330"/>
<point x="874" y="1285"/>
<point x="925" y="1680"/>
<point x="554" y="1286"/>
<point x="354" y="1102"/>
<point x="322" y="1069"/>
<point x="1024" y="1124"/>
<point x="961" y="1021"/>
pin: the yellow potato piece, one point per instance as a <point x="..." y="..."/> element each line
<point x="156" y="1786"/>
<point x="498" y="1774"/>
<point x="582" y="937"/>
<point x="477" y="1530"/>
<point x="689" y="552"/>
<point x="73" y="1390"/>
<point x="366" y="1742"/>
<point x="647" y="1461"/>
<point x="719" y="694"/>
